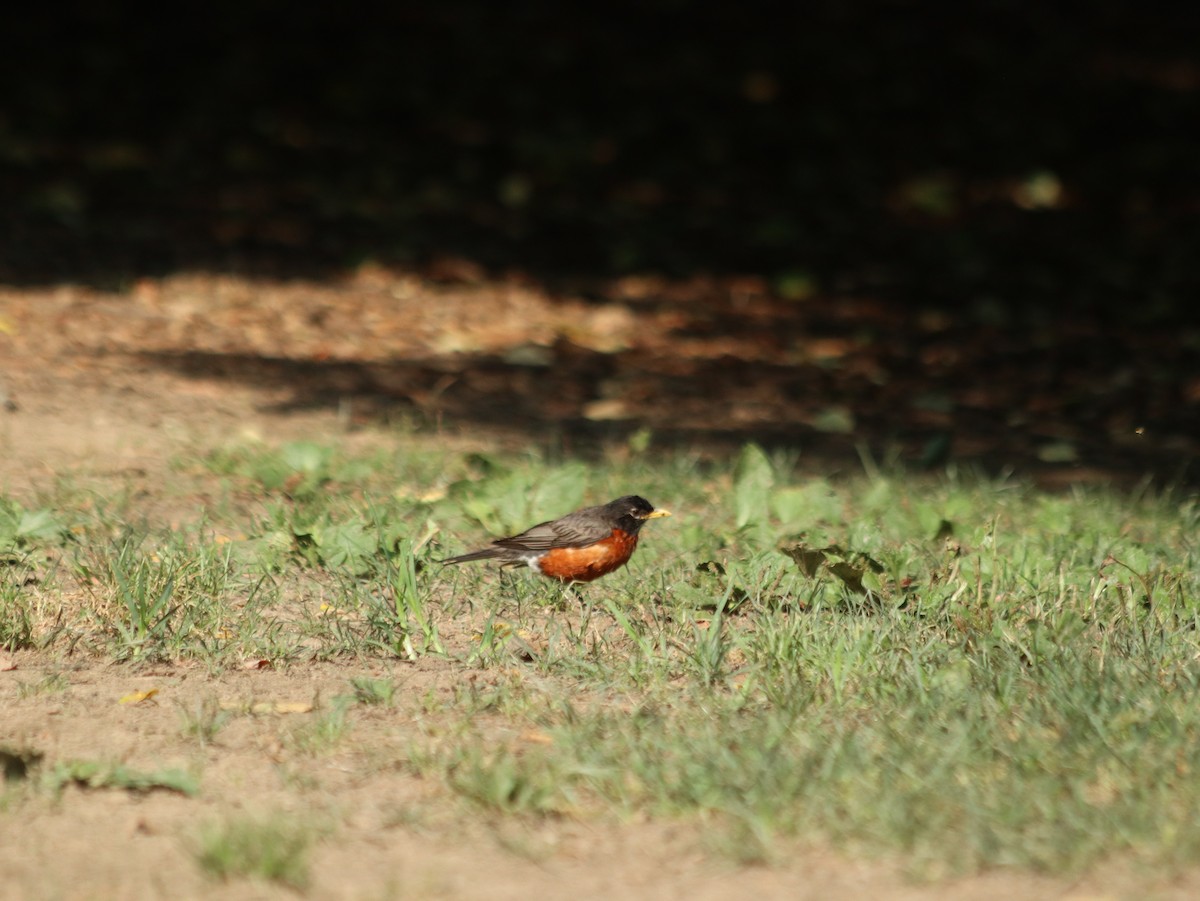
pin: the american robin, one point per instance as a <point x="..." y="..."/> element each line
<point x="580" y="546"/>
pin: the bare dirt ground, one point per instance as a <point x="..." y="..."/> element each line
<point x="86" y="393"/>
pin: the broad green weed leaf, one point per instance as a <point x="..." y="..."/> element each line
<point x="20" y="528"/>
<point x="799" y="507"/>
<point x="306" y="457"/>
<point x="752" y="481"/>
<point x="562" y="490"/>
<point x="37" y="525"/>
<point x="345" y="545"/>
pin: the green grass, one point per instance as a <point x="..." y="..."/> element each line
<point x="51" y="684"/>
<point x="204" y="720"/>
<point x="95" y="774"/>
<point x="272" y="848"/>
<point x="966" y="670"/>
<point x="370" y="691"/>
<point x="325" y="730"/>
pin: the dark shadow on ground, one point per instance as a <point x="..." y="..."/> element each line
<point x="828" y="419"/>
<point x="1018" y="174"/>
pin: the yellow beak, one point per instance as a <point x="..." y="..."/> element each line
<point x="657" y="514"/>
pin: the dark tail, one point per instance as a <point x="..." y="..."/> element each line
<point x="487" y="553"/>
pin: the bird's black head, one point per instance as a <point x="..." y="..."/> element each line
<point x="632" y="511"/>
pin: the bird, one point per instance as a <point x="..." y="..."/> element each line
<point x="579" y="547"/>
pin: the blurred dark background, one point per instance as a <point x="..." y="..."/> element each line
<point x="999" y="153"/>
<point x="1028" y="169"/>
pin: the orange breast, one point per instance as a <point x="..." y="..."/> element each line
<point x="583" y="564"/>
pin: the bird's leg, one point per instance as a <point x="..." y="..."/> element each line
<point x="585" y="623"/>
<point x="571" y="595"/>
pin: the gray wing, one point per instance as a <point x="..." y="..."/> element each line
<point x="575" y="530"/>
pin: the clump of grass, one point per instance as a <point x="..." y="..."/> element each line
<point x="16" y="621"/>
<point x="273" y="848"/>
<point x="16" y="605"/>
<point x="376" y="692"/>
<point x="96" y="774"/>
<point x="506" y="781"/>
<point x="397" y="617"/>
<point x="203" y="720"/>
<point x="324" y="731"/>
<point x="53" y="683"/>
<point x="158" y="601"/>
